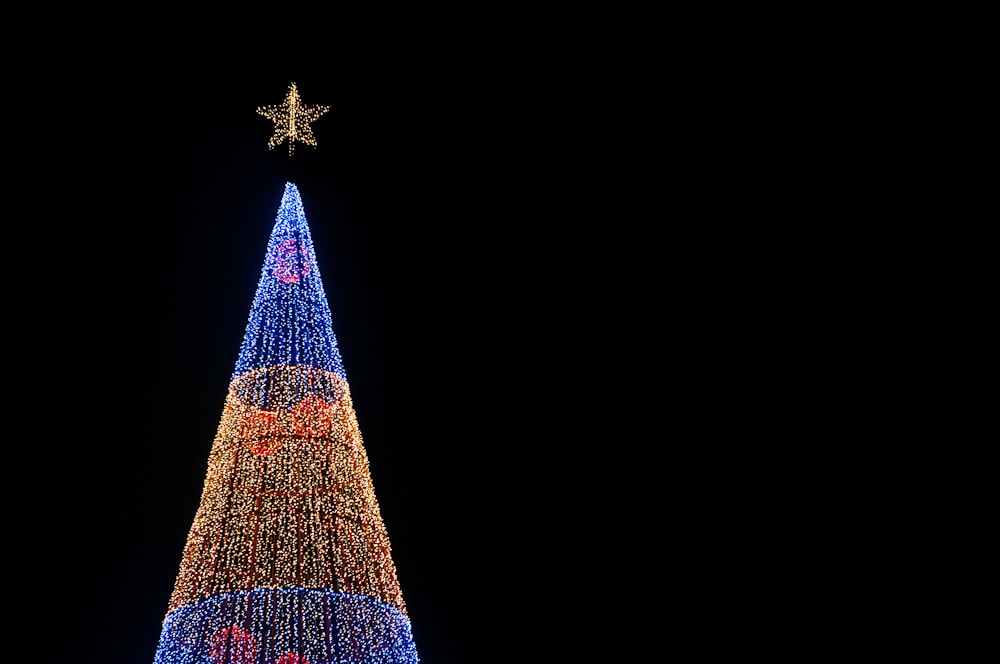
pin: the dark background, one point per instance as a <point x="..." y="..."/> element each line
<point x="513" y="294"/>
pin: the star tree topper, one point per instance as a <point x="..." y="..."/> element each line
<point x="291" y="120"/>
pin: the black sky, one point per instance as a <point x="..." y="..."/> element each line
<point x="499" y="297"/>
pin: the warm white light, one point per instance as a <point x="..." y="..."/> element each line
<point x="291" y="120"/>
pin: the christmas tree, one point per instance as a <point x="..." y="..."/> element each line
<point x="288" y="560"/>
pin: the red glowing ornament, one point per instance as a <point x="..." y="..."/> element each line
<point x="291" y="658"/>
<point x="233" y="645"/>
<point x="262" y="433"/>
<point x="313" y="417"/>
<point x="292" y="261"/>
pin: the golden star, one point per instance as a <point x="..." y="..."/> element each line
<point x="291" y="120"/>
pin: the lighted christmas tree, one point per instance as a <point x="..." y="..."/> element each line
<point x="288" y="560"/>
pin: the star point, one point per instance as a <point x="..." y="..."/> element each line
<point x="292" y="120"/>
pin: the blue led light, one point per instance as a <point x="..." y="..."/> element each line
<point x="320" y="626"/>
<point x="290" y="322"/>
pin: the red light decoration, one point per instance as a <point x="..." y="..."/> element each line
<point x="291" y="658"/>
<point x="313" y="416"/>
<point x="262" y="432"/>
<point x="233" y="645"/>
<point x="292" y="261"/>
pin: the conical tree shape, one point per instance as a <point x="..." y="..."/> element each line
<point x="288" y="560"/>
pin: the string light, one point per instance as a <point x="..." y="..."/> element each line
<point x="287" y="560"/>
<point x="292" y="120"/>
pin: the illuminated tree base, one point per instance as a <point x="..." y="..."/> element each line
<point x="287" y="626"/>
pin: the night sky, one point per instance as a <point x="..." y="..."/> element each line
<point x="510" y="319"/>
